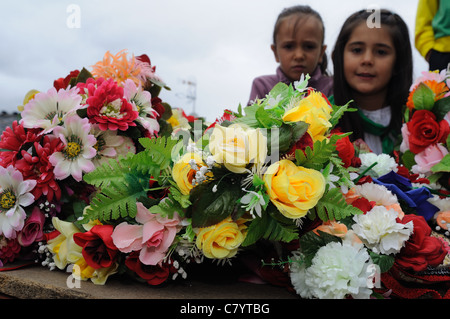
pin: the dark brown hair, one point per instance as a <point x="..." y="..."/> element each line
<point x="301" y="11"/>
<point x="398" y="86"/>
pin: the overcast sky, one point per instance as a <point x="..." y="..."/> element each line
<point x="219" y="45"/>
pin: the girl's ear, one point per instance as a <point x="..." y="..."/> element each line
<point x="274" y="50"/>
<point x="322" y="52"/>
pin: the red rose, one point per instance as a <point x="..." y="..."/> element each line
<point x="346" y="150"/>
<point x="154" y="275"/>
<point x="305" y="141"/>
<point x="99" y="250"/>
<point x="363" y="204"/>
<point x="421" y="249"/>
<point x="424" y="130"/>
<point x="63" y="83"/>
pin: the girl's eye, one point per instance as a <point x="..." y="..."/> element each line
<point x="356" y="50"/>
<point x="381" y="52"/>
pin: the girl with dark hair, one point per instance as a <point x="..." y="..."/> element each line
<point x="298" y="46"/>
<point x="373" y="68"/>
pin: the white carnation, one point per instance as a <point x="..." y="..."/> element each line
<point x="337" y="270"/>
<point x="376" y="193"/>
<point x="385" y="163"/>
<point x="380" y="232"/>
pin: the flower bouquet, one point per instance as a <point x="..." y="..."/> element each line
<point x="426" y="129"/>
<point x="86" y="119"/>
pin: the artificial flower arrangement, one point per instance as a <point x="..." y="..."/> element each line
<point x="426" y="128"/>
<point x="100" y="177"/>
<point x="86" y="119"/>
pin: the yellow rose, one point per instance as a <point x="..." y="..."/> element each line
<point x="315" y="111"/>
<point x="236" y="147"/>
<point x="293" y="189"/>
<point x="183" y="173"/>
<point x="63" y="246"/>
<point x="223" y="239"/>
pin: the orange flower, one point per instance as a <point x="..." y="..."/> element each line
<point x="439" y="89"/>
<point x="119" y="68"/>
<point x="333" y="228"/>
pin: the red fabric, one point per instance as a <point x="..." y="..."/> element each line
<point x="396" y="280"/>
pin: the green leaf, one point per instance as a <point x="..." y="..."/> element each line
<point x="270" y="228"/>
<point x="423" y="97"/>
<point x="161" y="149"/>
<point x="385" y="262"/>
<point x="338" y="111"/>
<point x="317" y="157"/>
<point x="267" y="118"/>
<point x="211" y="207"/>
<point x="408" y="159"/>
<point x="310" y="243"/>
<point x="443" y="165"/>
<point x="111" y="171"/>
<point x="441" y="108"/>
<point x="333" y="206"/>
<point x="118" y="199"/>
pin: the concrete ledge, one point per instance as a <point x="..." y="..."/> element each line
<point x="35" y="282"/>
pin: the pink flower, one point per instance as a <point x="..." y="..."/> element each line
<point x="32" y="230"/>
<point x="152" y="237"/>
<point x="107" y="105"/>
<point x="429" y="157"/>
<point x="405" y="139"/>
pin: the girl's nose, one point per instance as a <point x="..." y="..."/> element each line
<point x="367" y="58"/>
<point x="299" y="54"/>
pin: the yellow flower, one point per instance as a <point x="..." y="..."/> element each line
<point x="183" y="174"/>
<point x="293" y="189"/>
<point x="236" y="147"/>
<point x="63" y="247"/>
<point x="314" y="110"/>
<point x="223" y="239"/>
<point x="28" y="97"/>
<point x="82" y="271"/>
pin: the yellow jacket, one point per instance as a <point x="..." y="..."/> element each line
<point x="432" y="26"/>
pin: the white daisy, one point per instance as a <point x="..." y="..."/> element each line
<point x="142" y="100"/>
<point x="107" y="144"/>
<point x="79" y="150"/>
<point x="47" y="110"/>
<point x="14" y="195"/>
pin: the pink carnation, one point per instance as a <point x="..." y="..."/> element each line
<point x="152" y="237"/>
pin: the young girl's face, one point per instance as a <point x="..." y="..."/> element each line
<point x="299" y="51"/>
<point x="369" y="58"/>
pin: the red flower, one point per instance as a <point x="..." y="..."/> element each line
<point x="346" y="150"/>
<point x="9" y="250"/>
<point x="98" y="250"/>
<point x="107" y="106"/>
<point x="14" y="140"/>
<point x="154" y="275"/>
<point x="424" y="130"/>
<point x="63" y="83"/>
<point x="301" y="144"/>
<point x="158" y="106"/>
<point x="421" y="249"/>
<point x="363" y="204"/>
<point x="227" y="116"/>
